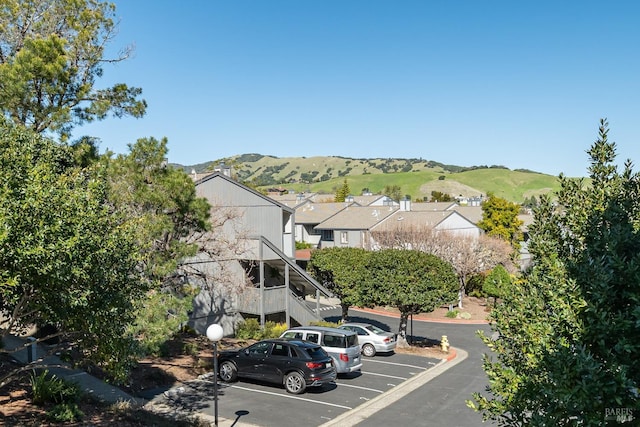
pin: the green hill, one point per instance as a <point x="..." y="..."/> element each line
<point x="416" y="177"/>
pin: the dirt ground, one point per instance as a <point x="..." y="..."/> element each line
<point x="473" y="310"/>
<point x="186" y="358"/>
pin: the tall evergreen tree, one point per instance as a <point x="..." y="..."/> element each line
<point x="343" y="191"/>
<point x="568" y="333"/>
<point x="51" y="54"/>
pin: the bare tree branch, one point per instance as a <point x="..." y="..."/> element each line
<point x="468" y="255"/>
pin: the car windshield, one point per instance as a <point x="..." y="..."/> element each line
<point x="374" y="329"/>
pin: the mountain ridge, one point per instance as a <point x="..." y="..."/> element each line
<point x="416" y="177"/>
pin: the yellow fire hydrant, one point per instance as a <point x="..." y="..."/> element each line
<point x="444" y="344"/>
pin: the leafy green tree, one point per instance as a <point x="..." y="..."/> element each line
<point x="409" y="280"/>
<point x="393" y="192"/>
<point x="500" y="219"/>
<point x="341" y="271"/>
<point x="67" y="258"/>
<point x="342" y="192"/>
<point x="568" y="333"/>
<point x="469" y="256"/>
<point x="439" y="196"/>
<point x="51" y="54"/>
<point x="496" y="281"/>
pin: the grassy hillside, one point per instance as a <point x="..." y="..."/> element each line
<point x="416" y="177"/>
<point x="510" y="185"/>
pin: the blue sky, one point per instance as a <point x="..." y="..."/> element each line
<point x="512" y="83"/>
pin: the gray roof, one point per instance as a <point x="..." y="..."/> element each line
<point x="357" y="218"/>
<point x="315" y="213"/>
<point x="417" y="219"/>
<point x="433" y="206"/>
<point x="472" y="213"/>
<point x="369" y="199"/>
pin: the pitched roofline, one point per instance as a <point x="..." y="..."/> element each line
<point x="244" y="187"/>
<point x="446" y="214"/>
<point x="375" y="208"/>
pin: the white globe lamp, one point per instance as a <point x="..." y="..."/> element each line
<point x="214" y="333"/>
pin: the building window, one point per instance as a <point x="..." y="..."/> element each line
<point x="344" y="237"/>
<point x="327" y="235"/>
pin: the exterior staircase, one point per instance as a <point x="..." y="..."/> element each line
<point x="278" y="300"/>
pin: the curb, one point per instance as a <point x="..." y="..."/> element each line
<point x="349" y="418"/>
<point x="453" y="353"/>
<point x="160" y="405"/>
<point x="422" y="318"/>
<point x="366" y="410"/>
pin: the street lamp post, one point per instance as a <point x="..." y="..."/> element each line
<point x="214" y="333"/>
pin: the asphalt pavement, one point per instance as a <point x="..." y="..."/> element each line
<point x="436" y="396"/>
<point x="441" y="401"/>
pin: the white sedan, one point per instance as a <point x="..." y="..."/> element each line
<point x="371" y="338"/>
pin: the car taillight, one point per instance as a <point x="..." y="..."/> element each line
<point x="387" y="339"/>
<point x="344" y="357"/>
<point x="314" y="365"/>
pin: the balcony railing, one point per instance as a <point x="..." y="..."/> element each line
<point x="275" y="302"/>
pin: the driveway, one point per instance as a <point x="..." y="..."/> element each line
<point x="386" y="393"/>
<point x="255" y="403"/>
<point x="442" y="401"/>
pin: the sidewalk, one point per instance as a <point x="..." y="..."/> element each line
<point x="97" y="388"/>
<point x="90" y="384"/>
<point x="162" y="404"/>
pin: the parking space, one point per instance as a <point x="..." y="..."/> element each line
<point x="267" y="405"/>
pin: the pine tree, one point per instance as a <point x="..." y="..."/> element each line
<point x="343" y="192"/>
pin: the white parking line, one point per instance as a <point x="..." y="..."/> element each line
<point x="398" y="364"/>
<point x="361" y="388"/>
<point x="291" y="397"/>
<point x="383" y="375"/>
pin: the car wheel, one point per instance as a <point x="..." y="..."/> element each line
<point x="228" y="372"/>
<point x="294" y="383"/>
<point x="368" y="350"/>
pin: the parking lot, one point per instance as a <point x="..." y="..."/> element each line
<point x="267" y="405"/>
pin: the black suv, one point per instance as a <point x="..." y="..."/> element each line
<point x="296" y="364"/>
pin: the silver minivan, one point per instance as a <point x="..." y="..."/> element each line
<point x="342" y="345"/>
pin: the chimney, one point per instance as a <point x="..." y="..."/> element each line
<point x="405" y="205"/>
<point x="223" y="169"/>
